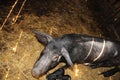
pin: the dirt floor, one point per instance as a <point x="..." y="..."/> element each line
<point x="19" y="48"/>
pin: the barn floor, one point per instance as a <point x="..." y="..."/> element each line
<point x="19" y="48"/>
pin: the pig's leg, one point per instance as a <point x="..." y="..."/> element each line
<point x="110" y="72"/>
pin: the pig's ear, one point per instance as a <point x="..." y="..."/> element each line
<point x="66" y="56"/>
<point x="42" y="37"/>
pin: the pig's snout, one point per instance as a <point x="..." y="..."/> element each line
<point x="35" y="74"/>
<point x="40" y="67"/>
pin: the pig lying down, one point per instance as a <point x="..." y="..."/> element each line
<point x="76" y="48"/>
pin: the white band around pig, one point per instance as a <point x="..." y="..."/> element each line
<point x="90" y="49"/>
<point x="100" y="52"/>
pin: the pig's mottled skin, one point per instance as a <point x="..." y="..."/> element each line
<point x="75" y="48"/>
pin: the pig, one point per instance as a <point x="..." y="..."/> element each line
<point x="58" y="75"/>
<point x="73" y="49"/>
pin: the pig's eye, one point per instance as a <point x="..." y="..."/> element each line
<point x="55" y="58"/>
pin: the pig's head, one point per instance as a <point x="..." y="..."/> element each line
<point x="50" y="55"/>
